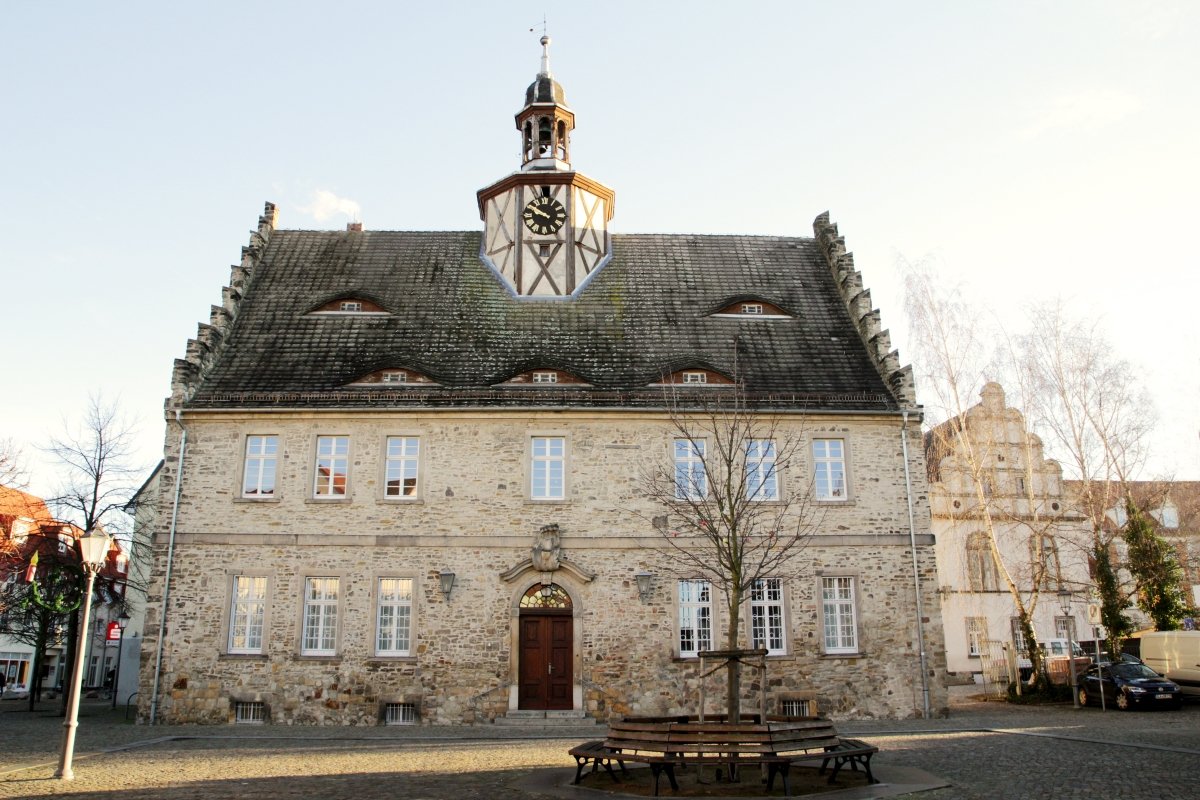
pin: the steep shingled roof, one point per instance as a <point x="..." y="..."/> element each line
<point x="646" y="313"/>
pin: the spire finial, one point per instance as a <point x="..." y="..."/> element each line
<point x="545" y="70"/>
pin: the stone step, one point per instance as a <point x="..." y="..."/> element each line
<point x="547" y="719"/>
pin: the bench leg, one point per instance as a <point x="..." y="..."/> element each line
<point x="782" y="770"/>
<point x="658" y="769"/>
<point x="580" y="763"/>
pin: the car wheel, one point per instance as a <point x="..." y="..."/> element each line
<point x="1083" y="697"/>
<point x="1123" y="701"/>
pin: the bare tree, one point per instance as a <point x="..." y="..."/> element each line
<point x="98" y="477"/>
<point x="12" y="468"/>
<point x="956" y="357"/>
<point x="1099" y="418"/>
<point x="97" y="469"/>
<point x="731" y="521"/>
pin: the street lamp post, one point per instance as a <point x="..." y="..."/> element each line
<point x="122" y="621"/>
<point x="1064" y="601"/>
<point x="93" y="548"/>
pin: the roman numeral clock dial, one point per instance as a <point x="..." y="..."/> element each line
<point x="544" y="215"/>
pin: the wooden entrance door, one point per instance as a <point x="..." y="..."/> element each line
<point x="546" y="639"/>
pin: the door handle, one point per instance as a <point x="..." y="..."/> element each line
<point x="549" y="668"/>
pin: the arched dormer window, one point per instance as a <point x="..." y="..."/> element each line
<point x="697" y="377"/>
<point x="394" y="378"/>
<point x="752" y="308"/>
<point x="545" y="377"/>
<point x="349" y="305"/>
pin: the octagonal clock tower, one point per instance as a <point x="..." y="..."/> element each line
<point x="546" y="225"/>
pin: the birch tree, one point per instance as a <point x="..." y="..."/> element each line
<point x="955" y="356"/>
<point x="1098" y="419"/>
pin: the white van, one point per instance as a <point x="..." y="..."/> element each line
<point x="1175" y="654"/>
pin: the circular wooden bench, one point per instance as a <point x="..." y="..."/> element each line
<point x="778" y="743"/>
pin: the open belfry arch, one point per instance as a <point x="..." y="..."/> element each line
<point x="402" y="470"/>
<point x="546" y="225"/>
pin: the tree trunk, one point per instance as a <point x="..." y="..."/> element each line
<point x="69" y="658"/>
<point x="733" y="687"/>
<point x="39" y="658"/>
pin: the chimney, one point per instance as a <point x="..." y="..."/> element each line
<point x="354" y="227"/>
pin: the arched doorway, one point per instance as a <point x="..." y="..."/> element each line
<point x="546" y="644"/>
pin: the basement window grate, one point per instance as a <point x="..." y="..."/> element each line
<point x="249" y="713"/>
<point x="400" y="714"/>
<point x="797" y="708"/>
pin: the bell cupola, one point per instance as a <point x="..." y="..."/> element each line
<point x="545" y="122"/>
<point x="545" y="225"/>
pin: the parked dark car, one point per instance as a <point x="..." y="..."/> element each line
<point x="1128" y="685"/>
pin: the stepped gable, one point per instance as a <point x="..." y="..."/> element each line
<point x="866" y="318"/>
<point x="202" y="351"/>
<point x="648" y="313"/>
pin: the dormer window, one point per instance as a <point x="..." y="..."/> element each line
<point x="695" y="377"/>
<point x="349" y="306"/>
<point x="545" y="377"/>
<point x="754" y="307"/>
<point x="410" y="378"/>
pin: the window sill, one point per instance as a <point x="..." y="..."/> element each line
<point x="383" y="659"/>
<point x="546" y="501"/>
<point x="831" y="501"/>
<point x="254" y="500"/>
<point x="317" y="658"/>
<point x="857" y="654"/>
<point x="399" y="501"/>
<point x="243" y="657"/>
<point x="324" y="501"/>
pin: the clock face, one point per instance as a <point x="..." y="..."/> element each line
<point x="544" y="215"/>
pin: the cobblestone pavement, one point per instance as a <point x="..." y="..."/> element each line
<point x="983" y="750"/>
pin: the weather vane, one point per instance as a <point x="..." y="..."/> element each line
<point x="543" y="26"/>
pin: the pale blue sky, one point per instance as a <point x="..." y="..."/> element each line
<point x="1031" y="148"/>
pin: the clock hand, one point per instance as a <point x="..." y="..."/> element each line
<point x="537" y="210"/>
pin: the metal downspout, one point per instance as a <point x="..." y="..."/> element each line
<point x="912" y="543"/>
<point x="162" y="617"/>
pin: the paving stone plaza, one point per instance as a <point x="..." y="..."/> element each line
<point x="983" y="750"/>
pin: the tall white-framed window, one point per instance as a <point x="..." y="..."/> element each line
<point x="1018" y="636"/>
<point x="839" y="615"/>
<point x="976" y="635"/>
<point x="829" y="468"/>
<point x="547" y="469"/>
<point x="333" y="463"/>
<point x="762" y="482"/>
<point x="766" y="616"/>
<point x="1064" y="628"/>
<point x="400" y="470"/>
<point x="695" y="617"/>
<point x="690" y="481"/>
<point x="319" y="636"/>
<point x="393" y="617"/>
<point x="258" y="474"/>
<point x="247" y="613"/>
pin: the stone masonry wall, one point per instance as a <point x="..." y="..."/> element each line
<point x="473" y="517"/>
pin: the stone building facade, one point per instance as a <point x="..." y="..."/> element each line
<point x="404" y="472"/>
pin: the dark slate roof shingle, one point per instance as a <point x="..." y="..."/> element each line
<point x="644" y="315"/>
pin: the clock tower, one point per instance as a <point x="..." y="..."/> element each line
<point x="545" y="225"/>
